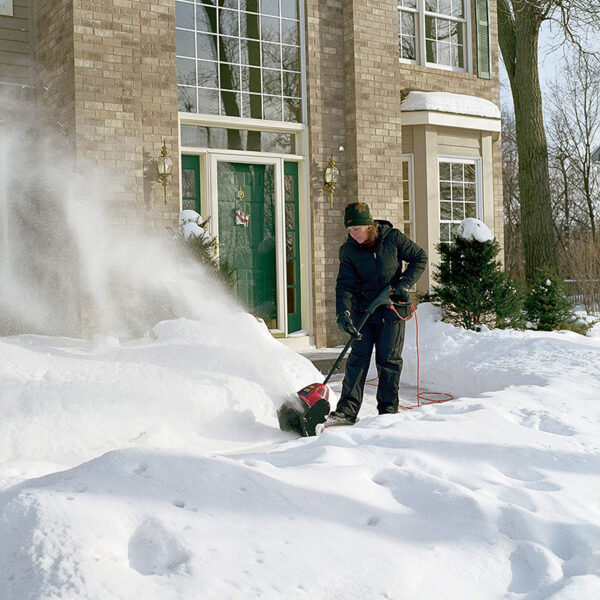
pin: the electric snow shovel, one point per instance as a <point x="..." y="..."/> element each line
<point x="310" y="406"/>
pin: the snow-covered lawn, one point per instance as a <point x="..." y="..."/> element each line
<point x="154" y="469"/>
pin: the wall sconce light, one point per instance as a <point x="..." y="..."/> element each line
<point x="330" y="179"/>
<point x="164" y="165"/>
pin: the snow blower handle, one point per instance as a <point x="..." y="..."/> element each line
<point x="382" y="299"/>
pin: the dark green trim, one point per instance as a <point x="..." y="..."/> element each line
<point x="294" y="318"/>
<point x="192" y="162"/>
<point x="482" y="34"/>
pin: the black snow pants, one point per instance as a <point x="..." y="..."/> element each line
<point x="385" y="331"/>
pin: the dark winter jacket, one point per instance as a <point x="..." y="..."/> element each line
<point x="365" y="271"/>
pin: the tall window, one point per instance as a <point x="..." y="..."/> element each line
<point x="239" y="58"/>
<point x="433" y="33"/>
<point x="458" y="194"/>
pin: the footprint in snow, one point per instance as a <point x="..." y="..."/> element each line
<point x="544" y="421"/>
<point x="155" y="551"/>
<point x="140" y="469"/>
<point x="518" y="497"/>
<point x="457" y="409"/>
<point x="533" y="567"/>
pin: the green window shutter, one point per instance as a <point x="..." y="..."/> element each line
<point x="482" y="28"/>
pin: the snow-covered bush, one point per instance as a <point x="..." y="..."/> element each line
<point x="472" y="289"/>
<point x="195" y="240"/>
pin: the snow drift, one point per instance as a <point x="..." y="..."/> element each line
<point x="155" y="469"/>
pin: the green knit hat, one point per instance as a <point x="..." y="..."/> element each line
<point x="357" y="213"/>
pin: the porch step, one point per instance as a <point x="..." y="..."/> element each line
<point x="324" y="360"/>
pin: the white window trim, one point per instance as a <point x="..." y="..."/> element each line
<point x="409" y="158"/>
<point x="420" y="34"/>
<point x="478" y="185"/>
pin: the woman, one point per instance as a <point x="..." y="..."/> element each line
<point x="371" y="259"/>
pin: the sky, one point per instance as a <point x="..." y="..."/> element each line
<point x="551" y="58"/>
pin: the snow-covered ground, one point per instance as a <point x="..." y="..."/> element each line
<point x="154" y="469"/>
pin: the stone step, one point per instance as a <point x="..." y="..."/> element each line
<point x="325" y="359"/>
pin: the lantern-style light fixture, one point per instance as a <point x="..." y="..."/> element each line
<point x="330" y="179"/>
<point x="164" y="166"/>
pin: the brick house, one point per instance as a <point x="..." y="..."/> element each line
<point x="252" y="98"/>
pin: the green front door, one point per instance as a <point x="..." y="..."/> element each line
<point x="246" y="197"/>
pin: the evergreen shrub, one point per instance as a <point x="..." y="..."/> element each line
<point x="472" y="288"/>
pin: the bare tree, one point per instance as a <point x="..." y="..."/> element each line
<point x="519" y="23"/>
<point x="573" y="131"/>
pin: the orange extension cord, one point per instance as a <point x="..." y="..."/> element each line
<point x="422" y="398"/>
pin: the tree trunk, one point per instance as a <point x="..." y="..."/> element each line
<point x="539" y="243"/>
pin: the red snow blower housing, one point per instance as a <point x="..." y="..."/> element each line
<point x="310" y="406"/>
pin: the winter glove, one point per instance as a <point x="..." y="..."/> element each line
<point x="344" y="322"/>
<point x="400" y="294"/>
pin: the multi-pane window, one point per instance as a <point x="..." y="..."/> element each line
<point x="407" y="29"/>
<point x="239" y="58"/>
<point x="433" y="32"/>
<point x="458" y="194"/>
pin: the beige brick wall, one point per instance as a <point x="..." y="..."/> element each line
<point x="326" y="95"/>
<point x="126" y="102"/>
<point x="53" y="56"/>
<point x="107" y="80"/>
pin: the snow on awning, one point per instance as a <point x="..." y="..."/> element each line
<point x="461" y="104"/>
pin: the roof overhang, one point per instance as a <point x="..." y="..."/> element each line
<point x="444" y="119"/>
